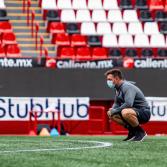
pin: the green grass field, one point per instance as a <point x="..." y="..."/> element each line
<point x="58" y="152"/>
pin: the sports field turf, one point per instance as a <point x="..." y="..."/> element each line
<point x="58" y="152"/>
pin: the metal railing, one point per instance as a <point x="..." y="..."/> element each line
<point x="28" y="12"/>
<point x="32" y="22"/>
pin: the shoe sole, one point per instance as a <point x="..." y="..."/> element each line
<point x="131" y="138"/>
<point x="144" y="137"/>
<point x="141" y="139"/>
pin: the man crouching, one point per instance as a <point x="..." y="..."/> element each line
<point x="130" y="108"/>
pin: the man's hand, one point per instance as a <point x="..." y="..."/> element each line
<point x="109" y="113"/>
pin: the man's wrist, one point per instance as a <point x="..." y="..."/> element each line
<point x="113" y="111"/>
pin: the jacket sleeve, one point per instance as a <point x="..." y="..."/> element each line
<point x="115" y="105"/>
<point x="129" y="96"/>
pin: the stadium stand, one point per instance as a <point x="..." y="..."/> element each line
<point x="13" y="51"/>
<point x="72" y="28"/>
<point x="83" y="54"/>
<point x="126" y="4"/>
<point x="141" y="4"/>
<point x="64" y="4"/>
<point x="163" y="28"/>
<point x="67" y="53"/>
<point x="21" y="17"/>
<point x="8" y="44"/>
<point x="113" y="24"/>
<point x="52" y="15"/>
<point x="79" y="4"/>
<point x="121" y="26"/>
<point x="2" y="4"/>
<point x="156" y="5"/>
<point x="83" y="15"/>
<point x="2" y="51"/>
<point x="145" y="16"/>
<point x="114" y="16"/>
<point x="8" y="38"/>
<point x="5" y="26"/>
<point x="3" y="15"/>
<point x="94" y="41"/>
<point x="85" y="30"/>
<point x="78" y="40"/>
<point x="110" y="40"/>
<point x="62" y="40"/>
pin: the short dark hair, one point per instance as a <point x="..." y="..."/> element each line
<point x="115" y="73"/>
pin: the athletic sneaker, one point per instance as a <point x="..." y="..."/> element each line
<point x="130" y="136"/>
<point x="139" y="136"/>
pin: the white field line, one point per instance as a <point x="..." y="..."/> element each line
<point x="98" y="145"/>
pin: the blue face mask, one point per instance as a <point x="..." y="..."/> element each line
<point x="110" y="84"/>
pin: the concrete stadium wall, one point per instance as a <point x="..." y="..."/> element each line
<point x="76" y="83"/>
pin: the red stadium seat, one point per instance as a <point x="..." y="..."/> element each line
<point x="13" y="51"/>
<point x="67" y="53"/>
<point x="83" y="54"/>
<point x="62" y="40"/>
<point x="166" y="5"/>
<point x="156" y="5"/>
<point x="2" y="51"/>
<point x="78" y="40"/>
<point x="8" y="38"/>
<point x="5" y="27"/>
<point x="56" y="27"/>
<point x="99" y="53"/>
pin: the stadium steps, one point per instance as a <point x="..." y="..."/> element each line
<point x="21" y="16"/>
<point x="27" y="34"/>
<point x="23" y="32"/>
<point x="30" y="41"/>
<point x="21" y="11"/>
<point x="20" y="7"/>
<point x="24" y="22"/>
<point x="16" y="3"/>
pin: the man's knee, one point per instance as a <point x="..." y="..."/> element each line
<point x="128" y="112"/>
<point x="125" y="113"/>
